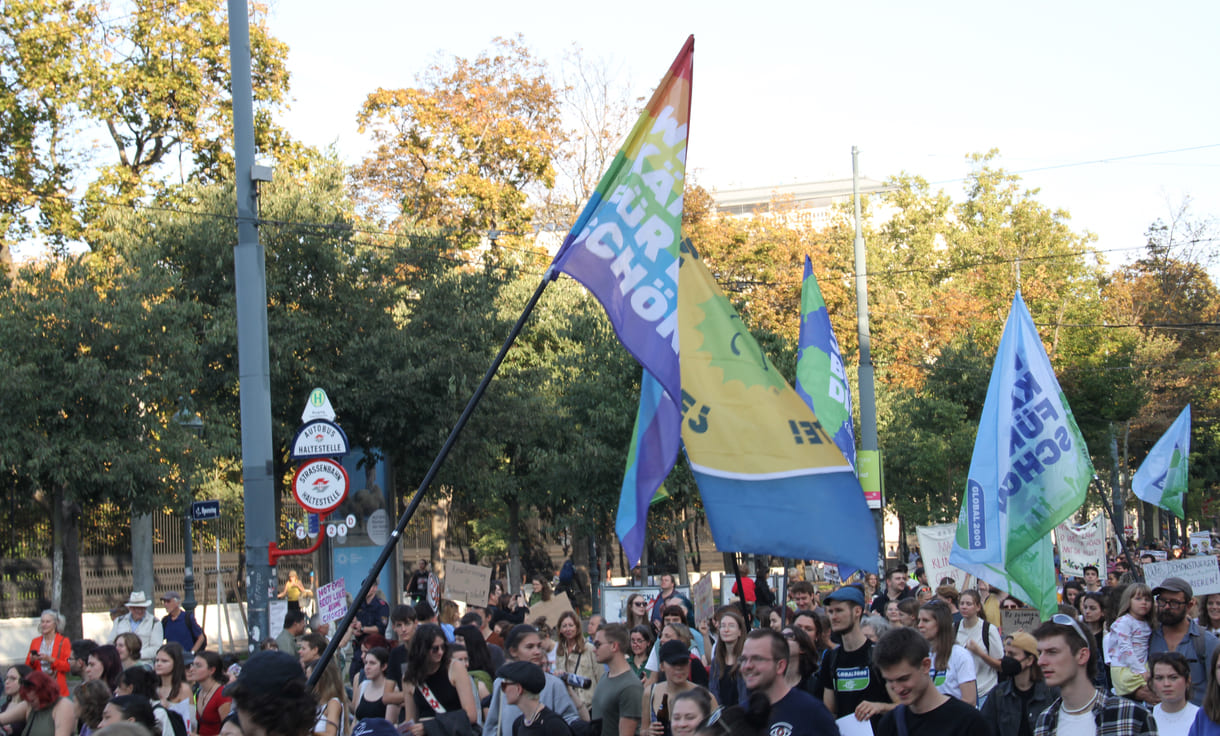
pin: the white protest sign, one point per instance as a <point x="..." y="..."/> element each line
<point x="332" y="601"/>
<point x="1203" y="573"/>
<point x="467" y="583"/>
<point x="275" y="617"/>
<point x="935" y="544"/>
<point x="1081" y="546"/>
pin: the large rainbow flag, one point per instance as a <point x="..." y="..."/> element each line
<point x="771" y="478"/>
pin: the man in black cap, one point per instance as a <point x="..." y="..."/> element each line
<point x="271" y="696"/>
<point x="1178" y="633"/>
<point x="849" y="682"/>
<point x="521" y="682"/>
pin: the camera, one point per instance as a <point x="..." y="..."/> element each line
<point x="577" y="681"/>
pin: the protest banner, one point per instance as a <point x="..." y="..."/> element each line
<point x="1081" y="546"/>
<point x="935" y="545"/>
<point x="1201" y="543"/>
<point x="1203" y="573"/>
<point x="550" y="609"/>
<point x="701" y="598"/>
<point x="1013" y="620"/>
<point x="332" y="601"/>
<point x="467" y="583"/>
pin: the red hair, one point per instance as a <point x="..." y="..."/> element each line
<point x="40" y="690"/>
<point x="375" y="640"/>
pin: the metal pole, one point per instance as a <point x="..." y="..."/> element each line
<point x="258" y="463"/>
<point x="450" y="441"/>
<point x="220" y="601"/>
<point x="868" y="395"/>
<point x="188" y="577"/>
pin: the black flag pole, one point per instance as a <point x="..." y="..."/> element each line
<point x="405" y="519"/>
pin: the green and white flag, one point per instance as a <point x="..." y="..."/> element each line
<point x="1161" y="479"/>
<point x="1029" y="472"/>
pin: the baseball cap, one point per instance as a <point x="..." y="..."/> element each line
<point x="267" y="672"/>
<point x="847" y="594"/>
<point x="674" y="652"/>
<point x="1025" y="642"/>
<point x="1174" y="585"/>
<point x="526" y="674"/>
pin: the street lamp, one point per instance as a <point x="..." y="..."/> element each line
<point x="191" y="422"/>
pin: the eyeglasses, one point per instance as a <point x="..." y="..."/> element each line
<point x="505" y="683"/>
<point x="438" y="648"/>
<point x="756" y="660"/>
<point x="1065" y="620"/>
<point x="598" y="644"/>
<point x="1164" y="602"/>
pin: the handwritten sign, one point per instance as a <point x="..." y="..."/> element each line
<point x="1081" y="546"/>
<point x="467" y="583"/>
<point x="332" y="601"/>
<point x="701" y="597"/>
<point x="1203" y="573"/>
<point x="935" y="544"/>
<point x="1013" y="620"/>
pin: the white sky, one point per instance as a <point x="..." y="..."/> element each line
<point x="783" y="90"/>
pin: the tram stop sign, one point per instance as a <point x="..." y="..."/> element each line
<point x="319" y="486"/>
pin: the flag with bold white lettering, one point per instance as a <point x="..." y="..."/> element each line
<point x="1162" y="477"/>
<point x="624" y="248"/>
<point x="1030" y="470"/>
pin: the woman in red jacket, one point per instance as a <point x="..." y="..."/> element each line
<point x="51" y="651"/>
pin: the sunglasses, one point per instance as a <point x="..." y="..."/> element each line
<point x="505" y="683"/>
<point x="1065" y="620"/>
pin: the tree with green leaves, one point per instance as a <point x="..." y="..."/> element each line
<point x="95" y="353"/>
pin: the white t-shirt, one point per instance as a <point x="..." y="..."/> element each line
<point x="961" y="670"/>
<point x="1174" y="724"/>
<point x="987" y="677"/>
<point x="1078" y="725"/>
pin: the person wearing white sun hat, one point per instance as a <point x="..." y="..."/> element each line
<point x="139" y="621"/>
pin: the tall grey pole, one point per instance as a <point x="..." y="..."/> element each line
<point x="868" y="395"/>
<point x="252" y="356"/>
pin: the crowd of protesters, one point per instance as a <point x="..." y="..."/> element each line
<point x="893" y="655"/>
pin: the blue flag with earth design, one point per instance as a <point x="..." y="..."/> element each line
<point x="821" y="380"/>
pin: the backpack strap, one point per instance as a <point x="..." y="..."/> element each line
<point x="900" y="720"/>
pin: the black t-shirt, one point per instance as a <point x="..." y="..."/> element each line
<point x="397" y="666"/>
<point x="853" y="678"/>
<point x="951" y="718"/>
<point x="800" y="714"/>
<point x="548" y="723"/>
<point x="883" y="598"/>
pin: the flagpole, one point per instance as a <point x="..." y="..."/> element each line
<point x="450" y="441"/>
<point x="867" y="392"/>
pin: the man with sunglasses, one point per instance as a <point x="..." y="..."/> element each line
<point x="617" y="699"/>
<point x="1175" y="632"/>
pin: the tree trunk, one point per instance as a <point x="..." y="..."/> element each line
<point x="71" y="604"/>
<point x="440" y="531"/>
<point x="514" y="545"/>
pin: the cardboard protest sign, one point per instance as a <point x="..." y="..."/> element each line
<point x="332" y="601"/>
<point x="1013" y="620"/>
<point x="550" y="609"/>
<point x="469" y="584"/>
<point x="1203" y="573"/>
<point x="701" y="598"/>
<point x="1081" y="546"/>
<point x="1201" y="543"/>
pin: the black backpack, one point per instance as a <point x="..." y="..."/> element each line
<point x="175" y="721"/>
<point x="986" y="634"/>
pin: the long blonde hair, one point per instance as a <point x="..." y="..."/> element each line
<point x="721" y="659"/>
<point x="330" y="685"/>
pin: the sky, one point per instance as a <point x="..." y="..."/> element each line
<point x="1110" y="109"/>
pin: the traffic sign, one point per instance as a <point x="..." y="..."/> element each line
<point x="205" y="510"/>
<point x="320" y="486"/>
<point x="319" y="438"/>
<point x="318" y="407"/>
